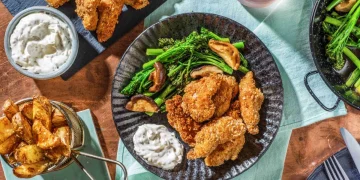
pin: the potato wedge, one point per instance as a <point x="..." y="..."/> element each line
<point x="42" y="111"/>
<point x="30" y="170"/>
<point x="55" y="154"/>
<point x="64" y="134"/>
<point x="43" y="137"/>
<point x="10" y="108"/>
<point x="10" y="158"/>
<point x="29" y="154"/>
<point x="9" y="144"/>
<point x="6" y="128"/>
<point x="27" y="110"/>
<point x="22" y="128"/>
<point x="58" y="119"/>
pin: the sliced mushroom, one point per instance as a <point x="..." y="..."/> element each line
<point x="227" y="51"/>
<point x="345" y="5"/>
<point x="158" y="77"/>
<point x="205" y="71"/>
<point x="142" y="103"/>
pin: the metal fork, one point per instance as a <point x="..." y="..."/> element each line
<point x="334" y="170"/>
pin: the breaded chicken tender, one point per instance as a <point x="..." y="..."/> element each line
<point x="137" y="4"/>
<point x="87" y="11"/>
<point x="197" y="100"/>
<point x="180" y="121"/>
<point x="214" y="133"/>
<point x="251" y="99"/>
<point x="226" y="151"/>
<point x="234" y="110"/>
<point x="56" y="3"/>
<point x="109" y="11"/>
<point x="228" y="89"/>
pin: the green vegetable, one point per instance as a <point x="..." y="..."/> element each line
<point x="243" y="69"/>
<point x="154" y="52"/>
<point x="352" y="57"/>
<point x="239" y="45"/>
<point x="337" y="22"/>
<point x="352" y="96"/>
<point x="353" y="77"/>
<point x="334" y="49"/>
<point x="333" y="4"/>
<point x="212" y="35"/>
<point x="138" y="82"/>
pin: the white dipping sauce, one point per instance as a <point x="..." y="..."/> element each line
<point x="157" y="146"/>
<point x="40" y="43"/>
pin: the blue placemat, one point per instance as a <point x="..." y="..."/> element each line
<point x="96" y="168"/>
<point x="89" y="47"/>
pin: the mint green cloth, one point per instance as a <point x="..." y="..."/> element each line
<point x="284" y="28"/>
<point x="96" y="168"/>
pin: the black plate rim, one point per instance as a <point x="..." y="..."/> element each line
<point x="212" y="14"/>
<point x="315" y="59"/>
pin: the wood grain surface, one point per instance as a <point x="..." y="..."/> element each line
<point x="89" y="88"/>
<point x="311" y="145"/>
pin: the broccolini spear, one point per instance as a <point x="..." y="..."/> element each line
<point x="212" y="35"/>
<point x="333" y="4"/>
<point x="138" y="83"/>
<point x="334" y="49"/>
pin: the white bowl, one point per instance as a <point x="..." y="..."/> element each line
<point x="56" y="13"/>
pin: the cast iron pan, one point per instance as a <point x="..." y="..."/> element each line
<point x="261" y="63"/>
<point x="318" y="43"/>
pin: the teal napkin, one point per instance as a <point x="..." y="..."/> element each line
<point x="283" y="27"/>
<point x="96" y="168"/>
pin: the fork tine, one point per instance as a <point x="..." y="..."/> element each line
<point x="335" y="168"/>
<point x="327" y="171"/>
<point x="340" y="168"/>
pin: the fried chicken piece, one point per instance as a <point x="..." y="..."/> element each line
<point x="197" y="100"/>
<point x="109" y="11"/>
<point x="182" y="122"/>
<point x="56" y="3"/>
<point x="251" y="99"/>
<point x="214" y="133"/>
<point x="228" y="89"/>
<point x="226" y="151"/>
<point x="234" y="110"/>
<point x="137" y="4"/>
<point x="87" y="11"/>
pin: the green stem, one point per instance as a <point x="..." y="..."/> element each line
<point x="154" y="52"/>
<point x="352" y="57"/>
<point x="357" y="83"/>
<point x="243" y="69"/>
<point x="333" y="4"/>
<point x="239" y="45"/>
<point x="353" y="77"/>
<point x="337" y="22"/>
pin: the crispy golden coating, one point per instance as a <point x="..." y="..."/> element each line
<point x="223" y="96"/>
<point x="29" y="154"/>
<point x="56" y="3"/>
<point x="9" y="144"/>
<point x="197" y="100"/>
<point x="226" y="151"/>
<point x="30" y="170"/>
<point x="10" y="109"/>
<point x="27" y="110"/>
<point x="43" y="137"/>
<point x="180" y="121"/>
<point x="234" y="110"/>
<point x="6" y="128"/>
<point x="251" y="99"/>
<point x="137" y="4"/>
<point x="42" y="110"/>
<point x="87" y="11"/>
<point x="57" y="118"/>
<point x="109" y="11"/>
<point x="214" y="133"/>
<point x="22" y="128"/>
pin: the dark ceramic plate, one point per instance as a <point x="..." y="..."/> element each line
<point x="261" y="63"/>
<point x="318" y="43"/>
<point x="346" y="162"/>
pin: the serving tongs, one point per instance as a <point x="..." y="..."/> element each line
<point x="76" y="143"/>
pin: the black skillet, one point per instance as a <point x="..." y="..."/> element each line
<point x="328" y="74"/>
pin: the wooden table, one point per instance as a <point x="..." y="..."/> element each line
<point x="89" y="88"/>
